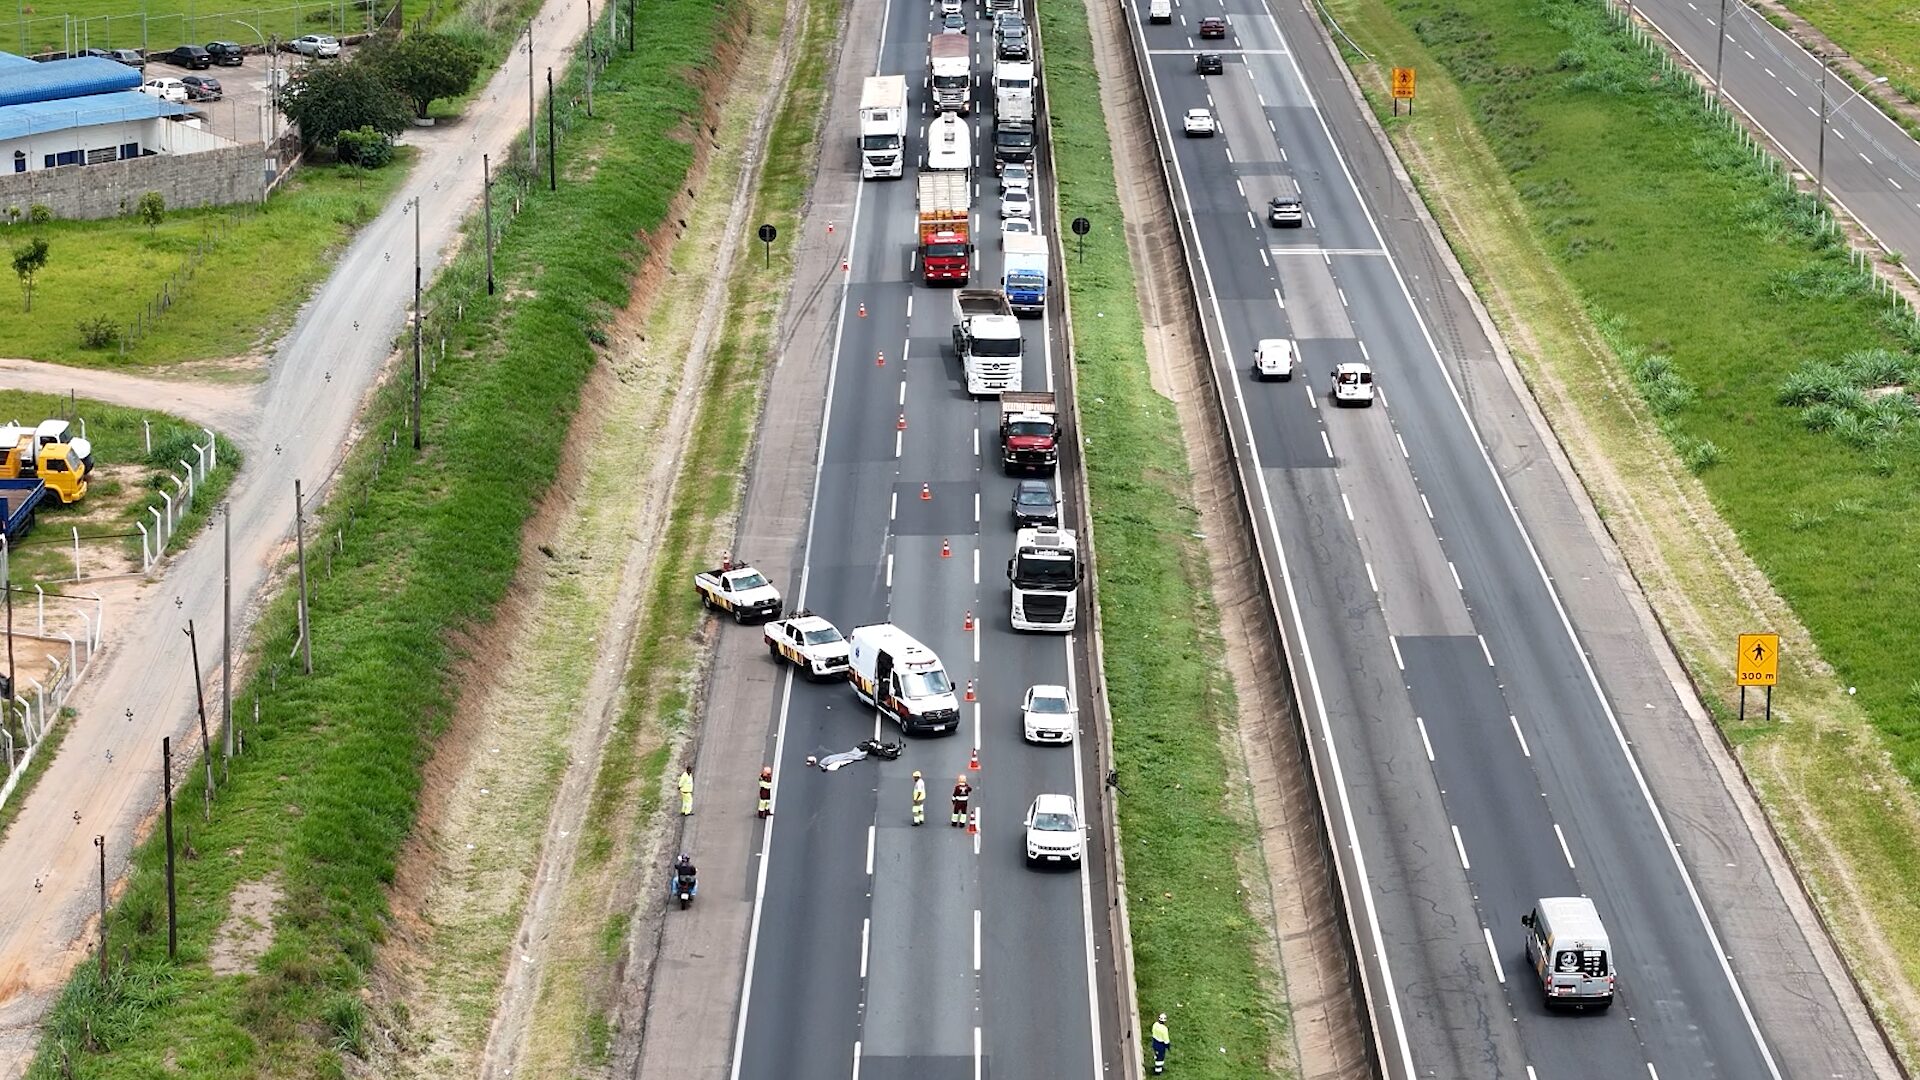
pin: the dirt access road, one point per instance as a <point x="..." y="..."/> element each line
<point x="106" y="778"/>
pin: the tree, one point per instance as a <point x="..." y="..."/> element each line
<point x="152" y="209"/>
<point x="426" y="66"/>
<point x="28" y="260"/>
<point x="327" y="99"/>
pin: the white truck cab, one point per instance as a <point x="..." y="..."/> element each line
<point x="1273" y="358"/>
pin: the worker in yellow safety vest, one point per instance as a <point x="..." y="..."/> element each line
<point x="919" y="799"/>
<point x="766" y="790"/>
<point x="1161" y="1039"/>
<point x="686" y="792"/>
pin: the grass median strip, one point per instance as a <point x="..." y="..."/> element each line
<point x="1707" y="352"/>
<point x="1195" y="944"/>
<point x="326" y="792"/>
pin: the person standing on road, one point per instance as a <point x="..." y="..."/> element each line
<point x="686" y="792"/>
<point x="1161" y="1039"/>
<point x="766" y="790"/>
<point x="962" y="792"/>
<point x="919" y="799"/>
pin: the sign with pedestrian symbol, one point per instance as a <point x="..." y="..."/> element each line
<point x="1402" y="89"/>
<point x="1759" y="661"/>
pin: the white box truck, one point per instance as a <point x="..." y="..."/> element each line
<point x="903" y="679"/>
<point x="883" y="127"/>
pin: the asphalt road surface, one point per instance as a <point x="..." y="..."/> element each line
<point x="1475" y="761"/>
<point x="1871" y="166"/>
<point x="879" y="949"/>
<point x="106" y="777"/>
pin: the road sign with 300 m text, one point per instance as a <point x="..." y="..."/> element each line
<point x="1403" y="84"/>
<point x="1759" y="661"/>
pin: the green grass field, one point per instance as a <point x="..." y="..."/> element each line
<point x="157" y="25"/>
<point x="1882" y="34"/>
<point x="259" y="266"/>
<point x="1193" y="938"/>
<point x="327" y="790"/>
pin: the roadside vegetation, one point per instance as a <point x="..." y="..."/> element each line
<point x="1737" y="398"/>
<point x="1196" y="946"/>
<point x="326" y="791"/>
<point x="1882" y="34"/>
<point x="235" y="276"/>
<point x="126" y="484"/>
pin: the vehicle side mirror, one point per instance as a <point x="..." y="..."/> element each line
<point x="1009" y="569"/>
<point x="1527" y="921"/>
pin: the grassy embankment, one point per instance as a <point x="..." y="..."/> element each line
<point x="258" y="267"/>
<point x="1194" y="941"/>
<point x="327" y="790"/>
<point x="126" y="483"/>
<point x="1882" y="34"/>
<point x="1627" y="242"/>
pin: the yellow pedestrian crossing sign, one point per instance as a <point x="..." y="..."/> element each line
<point x="1758" y="663"/>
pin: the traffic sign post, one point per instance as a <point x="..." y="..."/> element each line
<point x="767" y="234"/>
<point x="1402" y="89"/>
<point x="1757" y="663"/>
<point x="1081" y="227"/>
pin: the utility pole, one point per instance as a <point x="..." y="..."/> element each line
<point x="300" y="549"/>
<point x="1820" y="169"/>
<point x="629" y="25"/>
<point x="553" y="142"/>
<point x="100" y="842"/>
<point x="226" y="638"/>
<point x="6" y="583"/>
<point x="416" y="322"/>
<point x="166" y="794"/>
<point x="533" y="152"/>
<point x="1720" y="48"/>
<point x="200" y="700"/>
<point x="486" y="204"/>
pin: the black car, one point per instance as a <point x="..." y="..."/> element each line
<point x="188" y="56"/>
<point x="1033" y="505"/>
<point x="202" y="88"/>
<point x="1208" y="63"/>
<point x="226" y="53"/>
<point x="129" y="57"/>
<point x="1014" y="46"/>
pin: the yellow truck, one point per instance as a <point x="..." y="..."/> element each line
<point x="61" y="464"/>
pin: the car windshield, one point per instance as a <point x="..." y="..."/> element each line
<point x="1014" y="138"/>
<point x="1037" y="571"/>
<point x="1035" y="498"/>
<point x="1057" y="705"/>
<point x="825" y="636"/>
<point x="749" y="581"/>
<point x="880" y="142"/>
<point x="1050" y="822"/>
<point x="996" y="347"/>
<point x="924" y="684"/>
<point x="1029" y="427"/>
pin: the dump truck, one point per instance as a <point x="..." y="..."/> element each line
<point x="19" y="499"/>
<point x="738" y="589"/>
<point x="1029" y="432"/>
<point x="57" y="464"/>
<point x="986" y="338"/>
<point x="945" y="214"/>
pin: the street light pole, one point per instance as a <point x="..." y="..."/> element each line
<point x="1820" y="168"/>
<point x="533" y="153"/>
<point x="1720" y="48"/>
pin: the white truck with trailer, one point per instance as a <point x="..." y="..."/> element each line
<point x="949" y="144"/>
<point x="1045" y="575"/>
<point x="903" y="679"/>
<point x="883" y="127"/>
<point x="739" y="590"/>
<point x="986" y="338"/>
<point x="950" y="70"/>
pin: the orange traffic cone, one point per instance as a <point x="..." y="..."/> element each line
<point x="969" y="689"/>
<point x="829" y="228"/>
<point x="945" y="551"/>
<point x="926" y="492"/>
<point x="843" y="265"/>
<point x="973" y="823"/>
<point x="902" y="425"/>
<point x="880" y="359"/>
<point x="863" y="310"/>
<point x="973" y="761"/>
<point x="968" y="625"/>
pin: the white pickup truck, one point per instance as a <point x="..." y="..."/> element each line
<point x="811" y="643"/>
<point x="740" y="590"/>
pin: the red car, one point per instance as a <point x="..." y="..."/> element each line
<point x="1213" y="26"/>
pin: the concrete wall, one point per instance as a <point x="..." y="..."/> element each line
<point x="217" y="177"/>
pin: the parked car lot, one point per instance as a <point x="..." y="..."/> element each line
<point x="226" y="53"/>
<point x="166" y="89"/>
<point x="203" y="88"/>
<point x="320" y="46"/>
<point x="188" y="56"/>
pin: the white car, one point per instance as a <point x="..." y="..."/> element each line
<point x="320" y="45"/>
<point x="811" y="643"/>
<point x="1016" y="204"/>
<point x="953" y="23"/>
<point x="165" y="89"/>
<point x="1352" y="384"/>
<point x="1014" y="227"/>
<point x="1014" y="176"/>
<point x="1199" y="122"/>
<point x="1054" y="833"/>
<point x="1048" y="715"/>
<point x="1273" y="358"/>
<point x="950" y="7"/>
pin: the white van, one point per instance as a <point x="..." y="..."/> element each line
<point x="1273" y="359"/>
<point x="1159" y="11"/>
<point x="1569" y="952"/>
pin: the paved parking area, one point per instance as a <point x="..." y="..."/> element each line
<point x="242" y="113"/>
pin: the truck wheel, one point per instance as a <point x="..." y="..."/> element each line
<point x="773" y="651"/>
<point x="706" y="602"/>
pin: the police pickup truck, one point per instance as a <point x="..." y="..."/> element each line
<point x="811" y="643"/>
<point x="739" y="589"/>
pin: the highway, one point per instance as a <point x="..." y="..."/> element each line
<point x="1871" y="165"/>
<point x="1475" y="760"/>
<point x="877" y="949"/>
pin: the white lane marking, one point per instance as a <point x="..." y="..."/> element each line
<point x="976" y="565"/>
<point x="976" y="442"/>
<point x="786" y="692"/>
<point x="1394" y="642"/>
<point x="909" y="305"/>
<point x="1424" y="741"/>
<point x="856" y="1059"/>
<point x="976" y="508"/>
<point x="976" y="939"/>
<point x="1750" y="56"/>
<point x="893" y="506"/>
<point x="1313" y="399"/>
<point x="1363" y="885"/>
<point x="1229" y="151"/>
<point x="903" y="391"/>
<point x="1270" y="126"/>
<point x="1895" y="183"/>
<point x="871" y="830"/>
<point x="1372" y="583"/>
<point x="1530" y="1073"/>
<point x="1565" y="852"/>
<point x="1363" y="350"/>
<point x="889" y="569"/>
<point x="1428" y="505"/>
<point x="1652" y="1075"/>
<point x="979" y="1058"/>
<point x="1525" y="751"/>
<point x="1326" y="442"/>
<point x="1239" y="187"/>
<point x="1403" y="446"/>
<point x="899" y="443"/>
<point x="1348" y="503"/>
<point x="866" y="934"/>
<point x="1484" y="651"/>
<point x="977" y="635"/>
<point x="1264" y="261"/>
<point x="1769" y="72"/>
<point x="1460" y="846"/>
<point x="1251" y="224"/>
<point x="1499" y="971"/>
<point x="1257" y="95"/>
<point x="1864" y="157"/>
<point x="1342" y="292"/>
<point x="1456" y="576"/>
<point x="1277" y="298"/>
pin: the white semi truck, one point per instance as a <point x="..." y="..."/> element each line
<point x="1045" y="574"/>
<point x="986" y="338"/>
<point x="883" y="127"/>
<point x="950" y="70"/>
<point x="1013" y="82"/>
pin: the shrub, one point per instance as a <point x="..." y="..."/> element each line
<point x="99" y="332"/>
<point x="364" y="147"/>
<point x="40" y="213"/>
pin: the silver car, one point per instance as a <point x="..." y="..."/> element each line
<point x="317" y="45"/>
